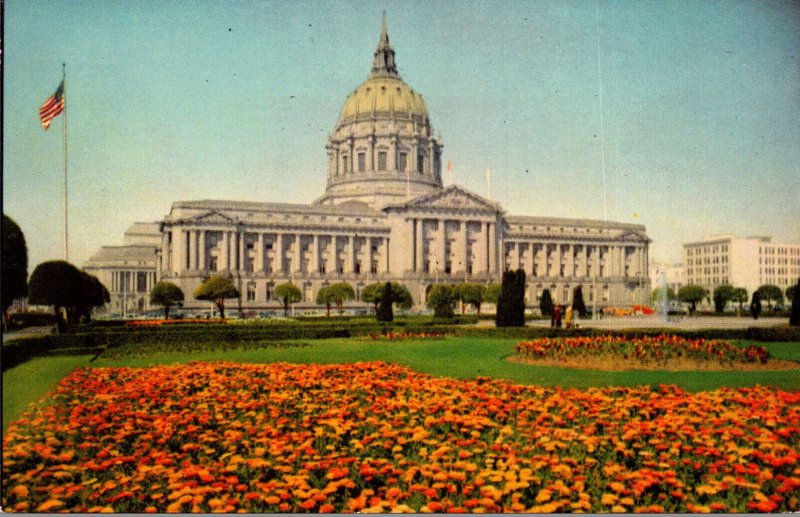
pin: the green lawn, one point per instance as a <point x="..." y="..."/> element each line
<point x="451" y="357"/>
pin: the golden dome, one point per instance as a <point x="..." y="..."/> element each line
<point x="384" y="95"/>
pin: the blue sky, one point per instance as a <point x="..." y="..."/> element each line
<point x="182" y="100"/>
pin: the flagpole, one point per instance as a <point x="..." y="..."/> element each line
<point x="64" y="94"/>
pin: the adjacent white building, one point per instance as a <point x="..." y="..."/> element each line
<point x="748" y="262"/>
<point x="675" y="275"/>
<point x="385" y="216"/>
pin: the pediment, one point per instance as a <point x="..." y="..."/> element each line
<point x="452" y="198"/>
<point x="633" y="236"/>
<point x="214" y="217"/>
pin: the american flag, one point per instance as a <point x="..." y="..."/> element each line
<point x="52" y="107"/>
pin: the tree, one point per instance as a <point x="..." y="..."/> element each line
<point x="790" y="293"/>
<point x="401" y="296"/>
<point x="511" y="304"/>
<point x="57" y="283"/>
<point x="324" y="298"/>
<point x="216" y="289"/>
<point x="471" y="294"/>
<point x="794" y="317"/>
<point x="656" y="297"/>
<point x="14" y="264"/>
<point x="384" y="310"/>
<point x="441" y="299"/>
<point x="546" y="303"/>
<point x="93" y="294"/>
<point x="722" y="295"/>
<point x="166" y="294"/>
<point x="692" y="294"/>
<point x="739" y="296"/>
<point x="372" y="294"/>
<point x="755" y="305"/>
<point x="578" y="304"/>
<point x="770" y="293"/>
<point x="492" y="293"/>
<point x="289" y="293"/>
<point x="339" y="293"/>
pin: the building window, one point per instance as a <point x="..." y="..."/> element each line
<point x="420" y="163"/>
<point x="251" y="292"/>
<point x="362" y="162"/>
<point x="381" y="160"/>
<point x="344" y="164"/>
<point x="402" y="162"/>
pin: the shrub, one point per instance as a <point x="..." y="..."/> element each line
<point x="511" y="304"/>
<point x="441" y="299"/>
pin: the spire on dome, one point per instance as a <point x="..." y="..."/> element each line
<point x="383" y="62"/>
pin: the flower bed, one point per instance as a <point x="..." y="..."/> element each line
<point x="660" y="350"/>
<point x="230" y="437"/>
<point x="397" y="336"/>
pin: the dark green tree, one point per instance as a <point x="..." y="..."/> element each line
<point x="401" y="296"/>
<point x="511" y="305"/>
<point x="755" y="305"/>
<point x="441" y="299"/>
<point x="384" y="311"/>
<point x="770" y="293"/>
<point x="692" y="294"/>
<point x="739" y="296"/>
<point x="93" y="294"/>
<point x="216" y="290"/>
<point x="14" y="265"/>
<point x="790" y="293"/>
<point x="722" y="295"/>
<point x="794" y="316"/>
<point x="578" y="305"/>
<point x="167" y="295"/>
<point x="289" y="293"/>
<point x="546" y="303"/>
<point x="57" y="283"/>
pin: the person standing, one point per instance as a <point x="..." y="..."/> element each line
<point x="557" y="315"/>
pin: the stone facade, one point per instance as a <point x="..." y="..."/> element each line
<point x="385" y="215"/>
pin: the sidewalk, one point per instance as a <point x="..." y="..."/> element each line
<point x="27" y="332"/>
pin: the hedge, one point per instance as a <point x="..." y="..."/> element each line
<point x="221" y="336"/>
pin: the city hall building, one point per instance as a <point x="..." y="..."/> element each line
<point x="384" y="216"/>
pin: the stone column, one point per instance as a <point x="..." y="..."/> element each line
<point x="179" y="250"/>
<point x="259" y="266"/>
<point x="517" y="250"/>
<point x="192" y="249"/>
<point x="233" y="264"/>
<point x="201" y="251"/>
<point x="368" y="255"/>
<point x="441" y="246"/>
<point x="296" y="254"/>
<point x="420" y="244"/>
<point x="278" y="267"/>
<point x="240" y="236"/>
<point x="332" y="256"/>
<point x="222" y="263"/>
<point x="492" y="229"/>
<point x="480" y="252"/>
<point x="350" y="260"/>
<point x="165" y="262"/>
<point x="463" y="254"/>
<point x="584" y="272"/>
<point x="385" y="256"/>
<point x="314" y="263"/>
<point x="529" y="261"/>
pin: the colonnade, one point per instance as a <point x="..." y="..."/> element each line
<point x="277" y="252"/>
<point x="562" y="259"/>
<point x="452" y="245"/>
<point x="126" y="281"/>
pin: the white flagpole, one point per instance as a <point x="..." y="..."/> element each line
<point x="64" y="100"/>
<point x="488" y="183"/>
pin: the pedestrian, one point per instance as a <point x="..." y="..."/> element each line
<point x="568" y="317"/>
<point x="557" y="315"/>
